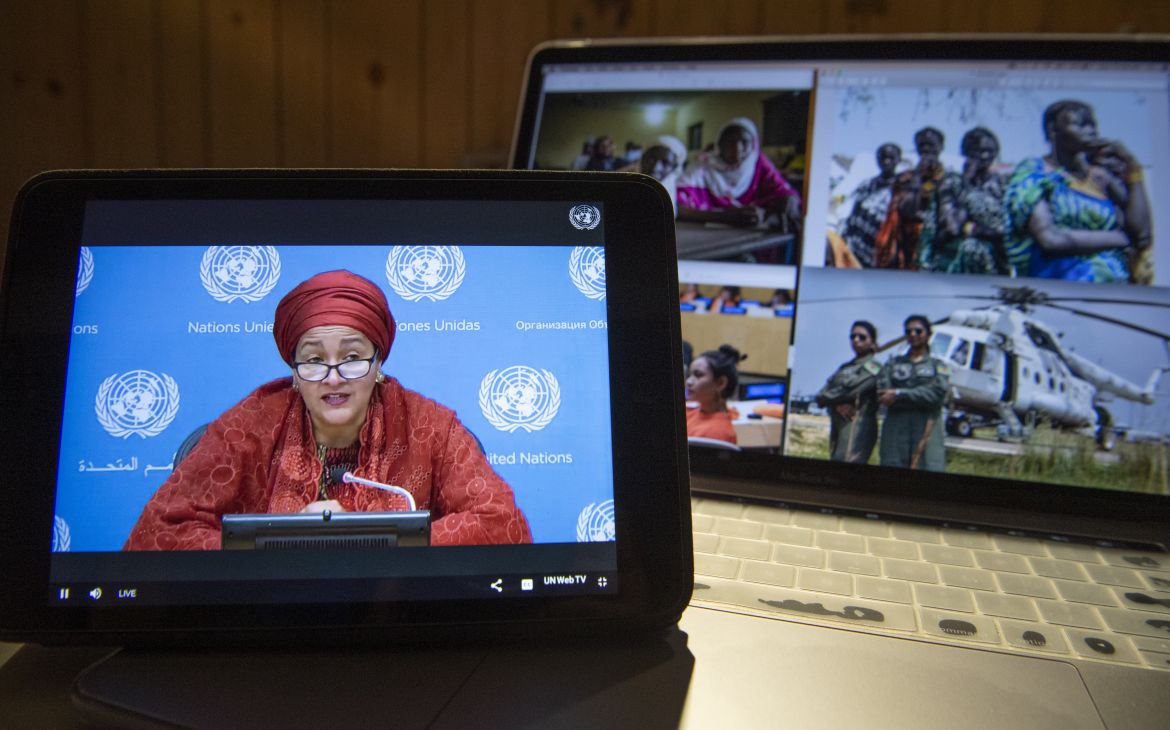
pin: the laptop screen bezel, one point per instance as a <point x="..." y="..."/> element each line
<point x="997" y="503"/>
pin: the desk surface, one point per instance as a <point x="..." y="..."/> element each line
<point x="720" y="669"/>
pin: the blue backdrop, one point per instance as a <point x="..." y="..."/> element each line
<point x="166" y="338"/>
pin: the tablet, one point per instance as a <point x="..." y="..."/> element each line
<point x="499" y="348"/>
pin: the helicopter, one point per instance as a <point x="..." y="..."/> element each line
<point x="1010" y="370"/>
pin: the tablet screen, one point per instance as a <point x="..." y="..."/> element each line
<point x="490" y="404"/>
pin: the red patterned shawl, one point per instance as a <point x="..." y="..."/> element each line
<point x="260" y="457"/>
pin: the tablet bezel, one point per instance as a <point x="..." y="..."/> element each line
<point x="652" y="509"/>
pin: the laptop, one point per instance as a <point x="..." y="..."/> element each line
<point x="930" y="197"/>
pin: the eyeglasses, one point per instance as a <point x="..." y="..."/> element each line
<point x="915" y="330"/>
<point x="859" y="336"/>
<point x="315" y="372"/>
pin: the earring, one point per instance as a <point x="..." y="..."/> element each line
<point x="296" y="386"/>
<point x="379" y="377"/>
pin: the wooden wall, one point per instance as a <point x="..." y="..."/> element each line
<point x="371" y="83"/>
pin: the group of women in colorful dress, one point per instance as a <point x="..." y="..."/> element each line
<point x="1078" y="213"/>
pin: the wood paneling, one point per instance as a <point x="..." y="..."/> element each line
<point x="180" y="60"/>
<point x="120" y="85"/>
<point x="242" y="84"/>
<point x="375" y="69"/>
<point x="43" y="121"/>
<point x="372" y="83"/>
<point x="302" y="53"/>
<point x="446" y="95"/>
<point x="503" y="32"/>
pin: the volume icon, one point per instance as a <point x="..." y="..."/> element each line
<point x="96" y="593"/>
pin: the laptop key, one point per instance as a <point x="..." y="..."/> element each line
<point x="716" y="565"/>
<point x="1074" y="551"/>
<point x="951" y="625"/>
<point x="737" y="547"/>
<point x="1095" y="645"/>
<point x="951" y="599"/>
<point x="907" y="570"/>
<point x="766" y="514"/>
<point x="1112" y="576"/>
<point x="1085" y="593"/>
<point x="1158" y="583"/>
<point x="1069" y="614"/>
<point x="866" y="527"/>
<point x="948" y="555"/>
<point x="1063" y="569"/>
<point x="794" y="555"/>
<point x="1026" y="585"/>
<point x="1137" y="622"/>
<point x="1033" y="636"/>
<point x="853" y="563"/>
<point x="730" y="527"/>
<point x="968" y="539"/>
<point x="1158" y="603"/>
<point x="967" y="578"/>
<point x="816" y="521"/>
<point x="1154" y="659"/>
<point x="716" y="507"/>
<point x="883" y="589"/>
<point x="841" y="542"/>
<point x="1020" y="546"/>
<point x="1002" y="562"/>
<point x="824" y="581"/>
<point x="1156" y="562"/>
<point x="819" y="606"/>
<point x="755" y="571"/>
<point x="1147" y="643"/>
<point x="705" y="542"/>
<point x="916" y="533"/>
<point x="702" y="523"/>
<point x="789" y="535"/>
<point x="892" y="548"/>
<point x="993" y="604"/>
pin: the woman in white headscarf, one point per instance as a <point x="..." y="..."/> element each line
<point x="664" y="161"/>
<point x="735" y="184"/>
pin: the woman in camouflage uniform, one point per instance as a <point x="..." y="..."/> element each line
<point x="850" y="394"/>
<point x="913" y="387"/>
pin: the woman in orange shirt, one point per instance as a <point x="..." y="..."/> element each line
<point x="711" y="381"/>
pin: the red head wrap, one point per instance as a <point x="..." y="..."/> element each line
<point x="333" y="298"/>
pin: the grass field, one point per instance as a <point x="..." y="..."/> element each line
<point x="1049" y="455"/>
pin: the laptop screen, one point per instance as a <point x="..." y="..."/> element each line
<point x="179" y="405"/>
<point x="950" y="265"/>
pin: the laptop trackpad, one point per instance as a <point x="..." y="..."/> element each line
<point x="750" y="668"/>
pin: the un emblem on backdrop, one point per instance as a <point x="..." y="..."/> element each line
<point x="84" y="270"/>
<point x="584" y="217"/>
<point x="596" y="523"/>
<point x="246" y="273"/>
<point x="587" y="270"/>
<point x="425" y="272"/>
<point x="137" y="402"/>
<point x="519" y="397"/>
<point x="61" y="537"/>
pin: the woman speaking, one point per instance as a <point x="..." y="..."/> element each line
<point x="283" y="448"/>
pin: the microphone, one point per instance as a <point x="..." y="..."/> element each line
<point x="349" y="478"/>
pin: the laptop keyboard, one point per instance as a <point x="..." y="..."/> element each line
<point x="1020" y="594"/>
